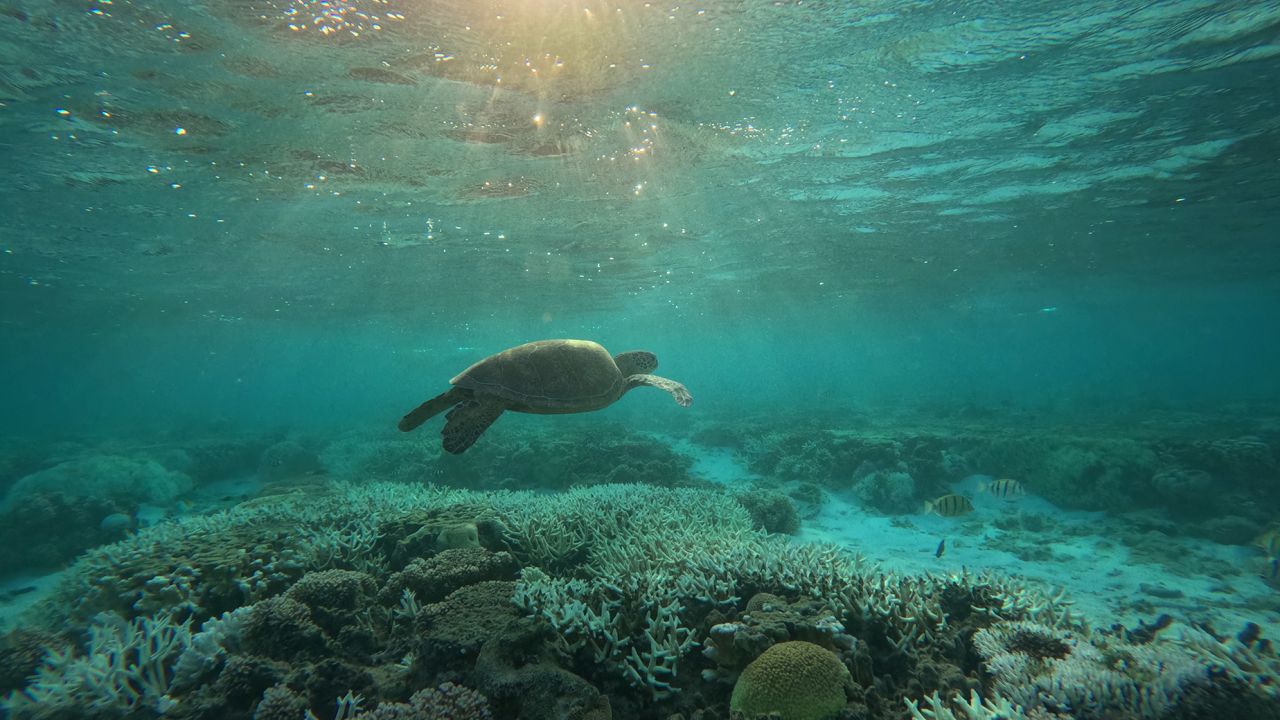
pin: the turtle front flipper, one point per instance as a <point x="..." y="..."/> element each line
<point x="466" y="422"/>
<point x="432" y="407"/>
<point x="678" y="391"/>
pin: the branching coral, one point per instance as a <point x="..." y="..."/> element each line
<point x="1255" y="662"/>
<point x="1103" y="676"/>
<point x="209" y="648"/>
<point x="127" y="665"/>
<point x="975" y="708"/>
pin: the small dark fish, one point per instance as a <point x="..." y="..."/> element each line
<point x="942" y="547"/>
<point x="1006" y="488"/>
<point x="15" y="592"/>
<point x="1275" y="569"/>
<point x="949" y="506"/>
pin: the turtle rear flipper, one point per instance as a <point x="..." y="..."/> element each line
<point x="432" y="407"/>
<point x="466" y="422"/>
<point x="678" y="391"/>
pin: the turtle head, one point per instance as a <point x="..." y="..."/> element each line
<point x="636" y="362"/>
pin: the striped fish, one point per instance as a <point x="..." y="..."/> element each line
<point x="949" y="506"/>
<point x="1269" y="541"/>
<point x="1006" y="488"/>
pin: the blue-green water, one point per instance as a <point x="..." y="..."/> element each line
<point x="892" y="249"/>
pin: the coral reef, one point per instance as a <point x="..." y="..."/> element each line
<point x="21" y="652"/>
<point x="522" y="679"/>
<point x="430" y="579"/>
<point x="126" y="667"/>
<point x="281" y="703"/>
<point x="44" y="530"/>
<point x="124" y="481"/>
<point x="286" y="459"/>
<point x="281" y="628"/>
<point x="891" y="492"/>
<point x="551" y="458"/>
<point x="1197" y="481"/>
<point x="334" y="597"/>
<point x="1035" y="665"/>
<point x="975" y="708"/>
<point x="454" y="629"/>
<point x="770" y="510"/>
<point x="446" y="702"/>
<point x="213" y="459"/>
<point x="768" y="619"/>
<point x="604" y="600"/>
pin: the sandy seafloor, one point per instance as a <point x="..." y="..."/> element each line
<point x="1097" y="573"/>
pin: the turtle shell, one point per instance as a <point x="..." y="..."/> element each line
<point x="548" y="376"/>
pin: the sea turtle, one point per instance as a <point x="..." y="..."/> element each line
<point x="545" y="377"/>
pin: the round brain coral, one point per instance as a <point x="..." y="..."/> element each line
<point x="798" y="680"/>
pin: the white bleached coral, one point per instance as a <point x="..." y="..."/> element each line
<point x="127" y="666"/>
<point x="1102" y="676"/>
<point x="1255" y="663"/>
<point x="975" y="708"/>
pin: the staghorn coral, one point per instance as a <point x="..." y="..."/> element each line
<point x="1103" y="676"/>
<point x="126" y="666"/>
<point x="209" y="648"/>
<point x="653" y="571"/>
<point x="975" y="708"/>
<point x="1246" y="657"/>
<point x="796" y="680"/>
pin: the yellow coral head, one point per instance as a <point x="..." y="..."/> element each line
<point x="797" y="680"/>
